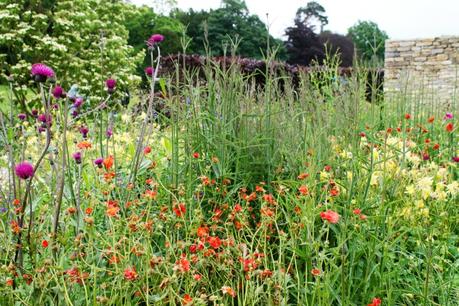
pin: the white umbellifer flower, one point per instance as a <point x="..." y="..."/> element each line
<point x="3" y="176"/>
<point x="453" y="188"/>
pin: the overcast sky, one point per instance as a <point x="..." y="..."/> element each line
<point x="401" y="19"/>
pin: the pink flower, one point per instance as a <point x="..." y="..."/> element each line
<point x="155" y="39"/>
<point x="24" y="170"/>
<point x="58" y="92"/>
<point x="130" y="274"/>
<point x="149" y="71"/>
<point x="330" y="216"/>
<point x="41" y="72"/>
<point x="456" y="159"/>
<point x="448" y="116"/>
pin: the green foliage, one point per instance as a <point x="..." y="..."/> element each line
<point x="143" y="22"/>
<point x="84" y="41"/>
<point x="368" y="39"/>
<point x="232" y="24"/>
<point x="312" y="10"/>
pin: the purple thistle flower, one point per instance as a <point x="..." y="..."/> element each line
<point x="154" y="39"/>
<point x="448" y="116"/>
<point x="41" y="72"/>
<point x="41" y="129"/>
<point x="22" y="116"/>
<point x="84" y="131"/>
<point x="111" y="84"/>
<point x="44" y="119"/>
<point x="78" y="102"/>
<point x="24" y="170"/>
<point x="149" y="71"/>
<point x="98" y="162"/>
<point x="77" y="157"/>
<point x="58" y="92"/>
<point x="109" y="133"/>
<point x="74" y="113"/>
<point x="456" y="159"/>
<point x="35" y="113"/>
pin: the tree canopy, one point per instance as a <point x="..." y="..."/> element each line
<point x="369" y="40"/>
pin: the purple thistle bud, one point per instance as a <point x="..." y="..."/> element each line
<point x="109" y="133"/>
<point x="24" y="170"/>
<point x="425" y="156"/>
<point x="98" y="162"/>
<point x="84" y="131"/>
<point x="22" y="116"/>
<point x="58" y="92"/>
<point x="41" y="72"/>
<point x="77" y="157"/>
<point x="78" y="102"/>
<point x="35" y="113"/>
<point x="110" y="83"/>
<point x="41" y="129"/>
<point x="155" y="39"/>
<point x="55" y="106"/>
<point x="456" y="159"/>
<point x="448" y="116"/>
<point x="74" y="113"/>
<point x="149" y="71"/>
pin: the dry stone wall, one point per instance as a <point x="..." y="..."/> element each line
<point x="428" y="68"/>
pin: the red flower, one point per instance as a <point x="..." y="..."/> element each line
<point x="315" y="272"/>
<point x="407" y="116"/>
<point x="44" y="243"/>
<point x="303" y="189"/>
<point x="203" y="231"/>
<point x="195" y="155"/>
<point x="431" y="119"/>
<point x="449" y="127"/>
<point x="357" y="211"/>
<point x="179" y="210"/>
<point x="147" y="150"/>
<point x="330" y="216"/>
<point x="214" y="242"/>
<point x="187" y="299"/>
<point x="375" y="302"/>
<point x="130" y="274"/>
<point x="183" y="264"/>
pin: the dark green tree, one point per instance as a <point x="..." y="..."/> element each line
<point x="230" y="23"/>
<point x="368" y="39"/>
<point x="312" y="10"/>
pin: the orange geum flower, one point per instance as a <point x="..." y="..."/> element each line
<point x="315" y="272"/>
<point x="229" y="291"/>
<point x="84" y="145"/>
<point x="303" y="189"/>
<point x="150" y="194"/>
<point x="330" y="216"/>
<point x="187" y="299"/>
<point x="108" y="162"/>
<point x="130" y="274"/>
<point x="302" y="176"/>
<point x="112" y="211"/>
